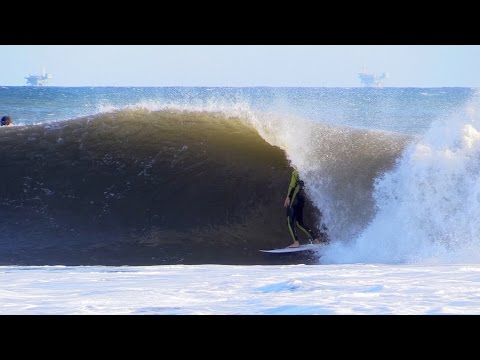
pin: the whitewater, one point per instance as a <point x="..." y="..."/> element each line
<point x="242" y="290"/>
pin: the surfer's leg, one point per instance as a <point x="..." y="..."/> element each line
<point x="299" y="223"/>
<point x="291" y="227"/>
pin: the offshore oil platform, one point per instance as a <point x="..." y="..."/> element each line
<point x="39" y="80"/>
<point x="369" y="79"/>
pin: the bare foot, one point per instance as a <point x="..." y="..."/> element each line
<point x="316" y="241"/>
<point x="294" y="245"/>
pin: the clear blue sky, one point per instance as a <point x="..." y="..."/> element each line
<point x="239" y="65"/>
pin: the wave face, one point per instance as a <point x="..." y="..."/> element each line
<point x="140" y="187"/>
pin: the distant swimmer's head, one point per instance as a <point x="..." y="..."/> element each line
<point x="6" y="121"/>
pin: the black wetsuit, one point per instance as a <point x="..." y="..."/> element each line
<point x="295" y="210"/>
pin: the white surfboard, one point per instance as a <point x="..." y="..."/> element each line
<point x="305" y="247"/>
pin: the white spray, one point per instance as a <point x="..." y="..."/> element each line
<point x="428" y="207"/>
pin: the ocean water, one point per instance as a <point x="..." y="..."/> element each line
<point x="152" y="176"/>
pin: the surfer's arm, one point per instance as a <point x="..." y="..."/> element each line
<point x="291" y="188"/>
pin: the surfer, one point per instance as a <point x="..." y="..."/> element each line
<point x="6" y="121"/>
<point x="294" y="203"/>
